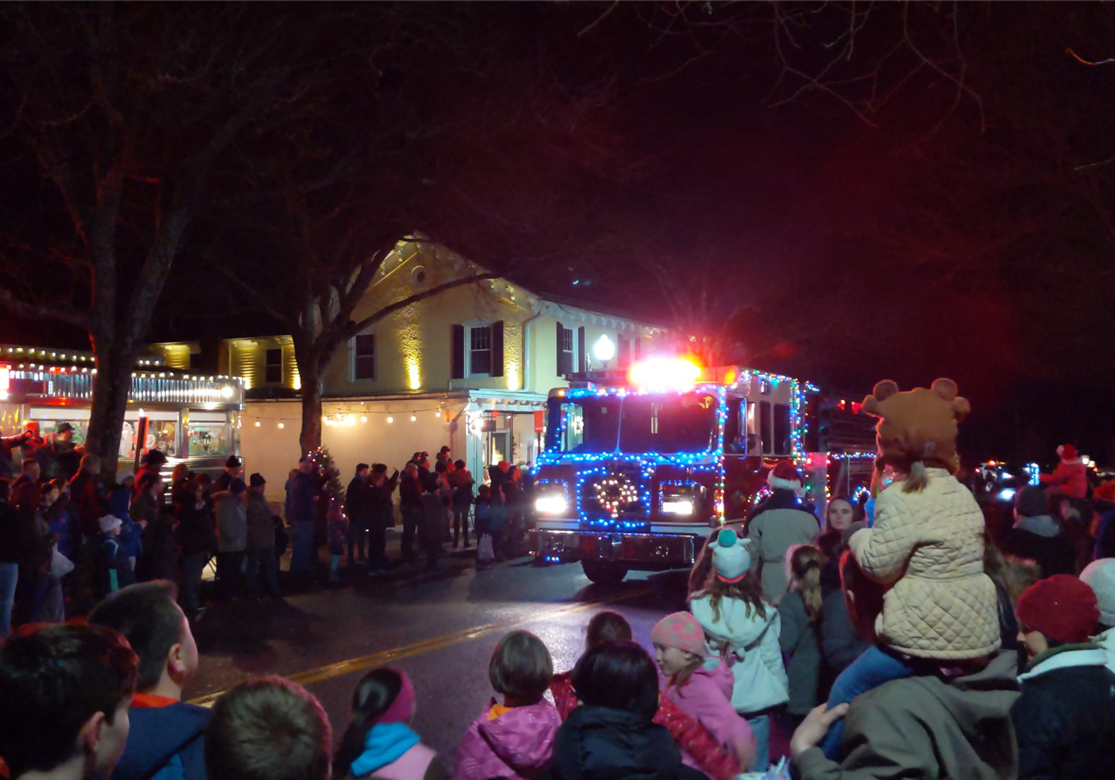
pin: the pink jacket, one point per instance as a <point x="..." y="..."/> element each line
<point x="515" y="745"/>
<point x="706" y="695"/>
<point x="1070" y="478"/>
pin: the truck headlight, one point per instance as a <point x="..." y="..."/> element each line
<point x="677" y="506"/>
<point x="552" y="504"/>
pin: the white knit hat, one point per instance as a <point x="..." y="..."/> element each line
<point x="1100" y="577"/>
<point x="108" y="522"/>
<point x="730" y="557"/>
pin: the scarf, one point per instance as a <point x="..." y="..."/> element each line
<point x="384" y="744"/>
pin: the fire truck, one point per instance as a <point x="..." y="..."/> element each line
<point x="638" y="467"/>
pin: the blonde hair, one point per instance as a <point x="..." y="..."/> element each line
<point x="803" y="570"/>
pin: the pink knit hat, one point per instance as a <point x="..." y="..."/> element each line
<point x="680" y="630"/>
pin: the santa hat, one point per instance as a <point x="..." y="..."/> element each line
<point x="1067" y="452"/>
<point x="730" y="558"/>
<point x="784" y="477"/>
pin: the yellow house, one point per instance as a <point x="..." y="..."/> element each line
<point x="469" y="368"/>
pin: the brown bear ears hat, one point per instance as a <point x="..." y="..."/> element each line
<point x="946" y="389"/>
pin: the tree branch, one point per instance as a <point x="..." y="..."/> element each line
<point x="43" y="311"/>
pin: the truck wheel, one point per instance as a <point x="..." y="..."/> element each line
<point x="604" y="572"/>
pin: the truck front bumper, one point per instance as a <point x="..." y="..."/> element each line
<point x="642" y="551"/>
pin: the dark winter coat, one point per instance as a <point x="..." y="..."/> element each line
<point x="598" y="742"/>
<point x="15" y="535"/>
<point x="410" y="492"/>
<point x="1065" y="720"/>
<point x="261" y="523"/>
<point x="144" y="507"/>
<point x="56" y="458"/>
<point x="86" y="497"/>
<point x="302" y="493"/>
<point x="111" y="558"/>
<point x="222" y="482"/>
<point x="196" y="529"/>
<point x="435" y="519"/>
<point x="167" y="743"/>
<point x="461" y="481"/>
<point x="383" y="508"/>
<point x="1105" y="535"/>
<point x="358" y="503"/>
<point x="64" y="526"/>
<point x="159" y="557"/>
<point x="800" y="640"/>
<point x="840" y="644"/>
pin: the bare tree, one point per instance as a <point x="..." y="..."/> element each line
<point x="491" y="169"/>
<point x="118" y="116"/>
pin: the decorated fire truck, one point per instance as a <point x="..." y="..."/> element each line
<point x="638" y="466"/>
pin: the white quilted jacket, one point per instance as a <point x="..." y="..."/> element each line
<point x="930" y="546"/>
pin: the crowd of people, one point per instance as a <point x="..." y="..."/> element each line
<point x="68" y="538"/>
<point x="897" y="638"/>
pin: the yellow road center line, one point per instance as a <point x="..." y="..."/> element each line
<point x="363" y="663"/>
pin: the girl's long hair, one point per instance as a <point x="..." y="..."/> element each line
<point x="803" y="567"/>
<point x="748" y="590"/>
<point x="372" y="697"/>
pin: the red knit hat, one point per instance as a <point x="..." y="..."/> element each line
<point x="1061" y="607"/>
<point x="1067" y="452"/>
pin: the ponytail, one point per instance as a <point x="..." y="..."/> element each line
<point x="805" y="572"/>
<point x="375" y="693"/>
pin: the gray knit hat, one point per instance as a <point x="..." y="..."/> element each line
<point x="1100" y="577"/>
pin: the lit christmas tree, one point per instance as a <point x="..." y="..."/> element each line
<point x="323" y="463"/>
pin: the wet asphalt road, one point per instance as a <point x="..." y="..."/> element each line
<point x="438" y="626"/>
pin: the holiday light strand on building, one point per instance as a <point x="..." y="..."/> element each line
<point x="77" y="384"/>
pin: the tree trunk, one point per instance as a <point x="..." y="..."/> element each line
<point x="310" y="437"/>
<point x="110" y="399"/>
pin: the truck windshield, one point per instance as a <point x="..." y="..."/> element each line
<point x="635" y="424"/>
<point x="668" y="423"/>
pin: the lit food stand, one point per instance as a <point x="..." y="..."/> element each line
<point x="189" y="418"/>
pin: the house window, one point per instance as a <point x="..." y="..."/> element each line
<point x="480" y="350"/>
<point x="273" y="367"/>
<point x="566" y="350"/>
<point x="364" y="356"/>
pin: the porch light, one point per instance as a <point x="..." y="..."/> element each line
<point x="604" y="349"/>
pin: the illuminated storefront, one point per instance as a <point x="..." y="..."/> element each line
<point x="187" y="417"/>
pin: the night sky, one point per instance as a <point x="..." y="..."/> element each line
<point x="937" y="204"/>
